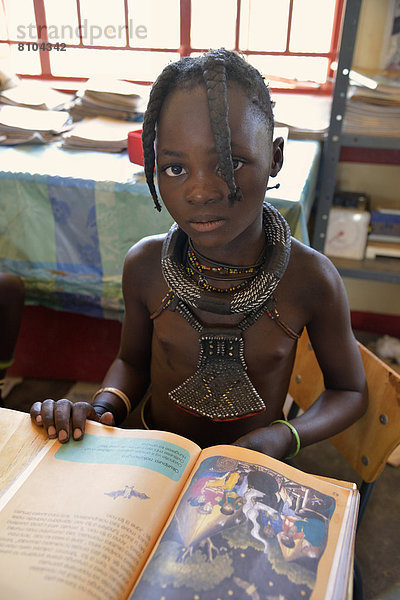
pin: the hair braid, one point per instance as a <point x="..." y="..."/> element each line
<point x="158" y="93"/>
<point x="214" y="74"/>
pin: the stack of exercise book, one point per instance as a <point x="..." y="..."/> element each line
<point x="148" y="514"/>
<point x="34" y="94"/>
<point x="99" y="133"/>
<point x="113" y="98"/>
<point x="373" y="105"/>
<point x="19" y="125"/>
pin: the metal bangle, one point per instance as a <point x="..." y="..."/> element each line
<point x="116" y="392"/>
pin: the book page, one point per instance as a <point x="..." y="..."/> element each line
<point x="19" y="444"/>
<point x="83" y="522"/>
<point x="250" y="526"/>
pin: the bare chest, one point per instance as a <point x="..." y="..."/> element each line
<point x="266" y="348"/>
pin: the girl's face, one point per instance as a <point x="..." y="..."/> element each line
<point x="188" y="178"/>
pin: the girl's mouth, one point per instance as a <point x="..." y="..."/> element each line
<point x="207" y="225"/>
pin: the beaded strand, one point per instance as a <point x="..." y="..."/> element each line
<point x="219" y="272"/>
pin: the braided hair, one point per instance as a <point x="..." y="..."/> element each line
<point x="213" y="70"/>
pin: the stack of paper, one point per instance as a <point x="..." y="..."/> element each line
<point x="110" y="98"/>
<point x="34" y="94"/>
<point x="306" y="118"/>
<point x="373" y="105"/>
<point x="101" y="133"/>
<point x="20" y="125"/>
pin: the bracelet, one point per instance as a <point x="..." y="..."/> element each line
<point x="295" y="433"/>
<point x="105" y="407"/>
<point x="116" y="392"/>
<point x="6" y="364"/>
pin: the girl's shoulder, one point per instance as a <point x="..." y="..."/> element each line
<point x="146" y="249"/>
<point x="311" y="270"/>
<point x="143" y="260"/>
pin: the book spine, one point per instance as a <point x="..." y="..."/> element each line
<point x="385" y="223"/>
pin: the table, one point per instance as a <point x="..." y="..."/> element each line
<point x="67" y="219"/>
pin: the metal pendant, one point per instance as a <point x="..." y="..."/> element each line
<point x="220" y="389"/>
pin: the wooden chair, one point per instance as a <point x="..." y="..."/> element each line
<point x="366" y="445"/>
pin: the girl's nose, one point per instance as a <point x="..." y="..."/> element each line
<point x="204" y="190"/>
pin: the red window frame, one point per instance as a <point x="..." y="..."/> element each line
<point x="185" y="47"/>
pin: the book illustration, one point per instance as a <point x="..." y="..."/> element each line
<point x="127" y="492"/>
<point x="240" y="530"/>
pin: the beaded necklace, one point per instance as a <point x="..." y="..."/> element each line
<point x="220" y="389"/>
<point x="244" y="300"/>
<point x="218" y="271"/>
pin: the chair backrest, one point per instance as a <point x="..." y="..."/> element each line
<point x="368" y="443"/>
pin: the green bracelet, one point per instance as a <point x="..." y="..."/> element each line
<point x="296" y="435"/>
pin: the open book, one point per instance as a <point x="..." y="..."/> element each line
<point x="148" y="514"/>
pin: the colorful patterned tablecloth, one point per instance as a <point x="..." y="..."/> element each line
<point x="67" y="219"/>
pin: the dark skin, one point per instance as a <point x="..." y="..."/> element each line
<point x="165" y="351"/>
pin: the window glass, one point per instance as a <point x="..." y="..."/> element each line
<point x="3" y="26"/>
<point x="263" y="27"/>
<point x="213" y="24"/>
<point x="62" y="22"/>
<point x="104" y="21"/>
<point x="21" y="20"/>
<point x="25" y="62"/>
<point x="312" y="23"/>
<point x="154" y="23"/>
<point x="151" y="25"/>
<point x="126" y="64"/>
<point x="300" y="68"/>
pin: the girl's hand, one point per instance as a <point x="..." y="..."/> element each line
<point x="59" y="418"/>
<point x="275" y="441"/>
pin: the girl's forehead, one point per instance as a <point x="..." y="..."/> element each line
<point x="193" y="100"/>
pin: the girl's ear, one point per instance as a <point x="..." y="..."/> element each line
<point x="277" y="156"/>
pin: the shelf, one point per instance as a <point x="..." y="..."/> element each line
<point x="379" y="269"/>
<point x="370" y="149"/>
<point x="370" y="141"/>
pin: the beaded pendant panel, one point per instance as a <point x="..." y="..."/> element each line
<point x="220" y="389"/>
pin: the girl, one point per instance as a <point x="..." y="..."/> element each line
<point x="213" y="309"/>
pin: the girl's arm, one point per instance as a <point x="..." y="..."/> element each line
<point x="345" y="397"/>
<point x="129" y="374"/>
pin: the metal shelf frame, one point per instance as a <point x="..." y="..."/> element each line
<point x="387" y="152"/>
<point x="332" y="144"/>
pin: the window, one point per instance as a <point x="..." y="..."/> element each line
<point x="292" y="42"/>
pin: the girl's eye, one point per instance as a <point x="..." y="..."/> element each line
<point x="174" y="171"/>
<point x="237" y="164"/>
